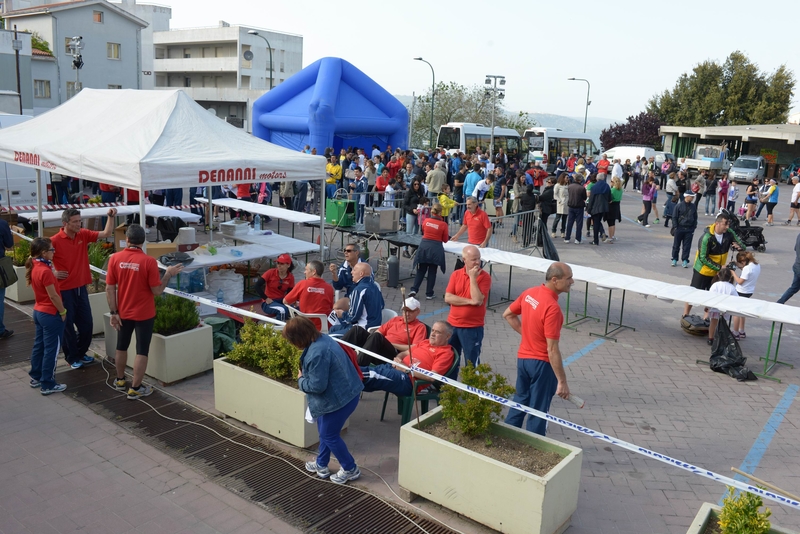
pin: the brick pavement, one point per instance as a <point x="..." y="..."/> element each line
<point x="646" y="389"/>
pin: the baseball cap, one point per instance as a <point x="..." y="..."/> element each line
<point x="411" y="304"/>
<point x="688" y="194"/>
<point x="284" y="258"/>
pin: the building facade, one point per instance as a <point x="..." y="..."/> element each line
<point x="8" y="72"/>
<point x="157" y="18"/>
<point x="212" y="66"/>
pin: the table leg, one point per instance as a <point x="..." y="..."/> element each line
<point x="767" y="366"/>
<point x="580" y="316"/>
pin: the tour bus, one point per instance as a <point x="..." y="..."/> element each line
<point x="545" y="145"/>
<point x="466" y="137"/>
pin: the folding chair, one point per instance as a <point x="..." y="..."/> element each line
<point x="294" y="312"/>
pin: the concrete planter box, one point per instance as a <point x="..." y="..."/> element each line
<point x="99" y="306"/>
<point x="708" y="510"/>
<point x="171" y="358"/>
<point x="263" y="403"/>
<point x="497" y="495"/>
<point x="20" y="291"/>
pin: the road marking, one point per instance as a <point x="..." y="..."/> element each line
<point x="431" y="314"/>
<point x="584" y="351"/>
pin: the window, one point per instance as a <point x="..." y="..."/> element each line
<point x="449" y="138"/>
<point x="187" y="53"/>
<point x="161" y="53"/>
<point x="41" y="88"/>
<point x="187" y="81"/>
<point x="114" y="86"/>
<point x="232" y="111"/>
<point x="73" y="89"/>
<point x="97" y="16"/>
<point x="67" y="49"/>
<point x="113" y="50"/>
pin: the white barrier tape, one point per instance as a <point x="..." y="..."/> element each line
<point x="86" y="206"/>
<point x="772" y="496"/>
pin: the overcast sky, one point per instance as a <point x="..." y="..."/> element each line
<point x="629" y="51"/>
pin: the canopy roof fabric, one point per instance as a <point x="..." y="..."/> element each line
<point x="149" y="140"/>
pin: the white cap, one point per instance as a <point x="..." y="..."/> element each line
<point x="411" y="304"/>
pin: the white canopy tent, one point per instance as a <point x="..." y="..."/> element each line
<point x="148" y="140"/>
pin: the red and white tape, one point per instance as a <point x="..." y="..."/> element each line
<point x="85" y="206"/>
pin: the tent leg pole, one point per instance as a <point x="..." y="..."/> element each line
<point x="321" y="201"/>
<point x="767" y="366"/>
<point x="142" y="218"/>
<point x="39" y="201"/>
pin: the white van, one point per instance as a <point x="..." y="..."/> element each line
<point x="18" y="184"/>
<point x="629" y="152"/>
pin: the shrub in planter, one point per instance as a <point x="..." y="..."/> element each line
<point x="99" y="252"/>
<point x="740" y="514"/>
<point x="174" y="315"/>
<point x="20" y="253"/>
<point x="262" y="348"/>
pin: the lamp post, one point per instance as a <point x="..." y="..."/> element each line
<point x="433" y="96"/>
<point x="491" y="87"/>
<point x="253" y="32"/>
<point x="588" y="87"/>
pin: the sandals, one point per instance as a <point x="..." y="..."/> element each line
<point x="742" y="335"/>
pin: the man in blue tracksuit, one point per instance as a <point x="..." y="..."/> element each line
<point x="366" y="302"/>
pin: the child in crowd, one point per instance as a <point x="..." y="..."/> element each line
<point x="733" y="194"/>
<point x="423" y="211"/>
<point x="388" y="196"/>
<point x="722" y="283"/>
<point x="445" y="201"/>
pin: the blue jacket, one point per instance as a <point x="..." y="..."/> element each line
<point x="366" y="302"/>
<point x="345" y="275"/>
<point x="470" y="182"/>
<point x="330" y="379"/>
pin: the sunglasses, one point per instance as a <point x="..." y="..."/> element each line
<point x="51" y="250"/>
<point x="349" y="250"/>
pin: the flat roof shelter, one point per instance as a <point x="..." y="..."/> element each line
<point x="778" y="143"/>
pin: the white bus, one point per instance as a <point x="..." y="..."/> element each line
<point x="545" y="145"/>
<point x="467" y="136"/>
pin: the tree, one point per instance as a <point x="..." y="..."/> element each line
<point x="733" y="93"/>
<point x="37" y="43"/>
<point x="458" y="103"/>
<point x="639" y="130"/>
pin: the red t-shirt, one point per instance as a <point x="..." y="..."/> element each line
<point x="394" y="330"/>
<point x="380" y="184"/>
<point x="107" y="188"/>
<point x="315" y="296"/>
<point x="276" y="287"/>
<point x="602" y="166"/>
<point x="435" y="229"/>
<point x="243" y="191"/>
<point x="394" y="167"/>
<point x="477" y="226"/>
<point x="541" y="320"/>
<point x="133" y="195"/>
<point x="468" y="316"/>
<point x="134" y="273"/>
<point x="41" y="277"/>
<point x="436" y="359"/>
<point x="72" y="256"/>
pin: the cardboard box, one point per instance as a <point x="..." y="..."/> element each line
<point x="188" y="248"/>
<point x="119" y="236"/>
<point x="156" y="250"/>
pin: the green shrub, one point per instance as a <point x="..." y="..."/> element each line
<point x="467" y="413"/>
<point x="20" y="253"/>
<point x="98" y="254"/>
<point x="262" y="347"/>
<point x="174" y="315"/>
<point x="740" y="514"/>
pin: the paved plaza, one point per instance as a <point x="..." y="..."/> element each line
<point x="63" y="468"/>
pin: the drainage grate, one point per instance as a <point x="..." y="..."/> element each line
<point x="310" y="504"/>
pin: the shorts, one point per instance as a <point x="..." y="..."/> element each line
<point x="713" y="313"/>
<point x="144" y="333"/>
<point x="745" y="295"/>
<point x="770" y="207"/>
<point x="701" y="281"/>
<point x="498" y="203"/>
<point x="749" y="201"/>
<point x="794" y="205"/>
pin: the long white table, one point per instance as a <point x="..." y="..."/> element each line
<point x="287" y="245"/>
<point x="262" y="209"/>
<point x="153" y="210"/>
<point x="224" y="255"/>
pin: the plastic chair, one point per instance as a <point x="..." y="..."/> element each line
<point x="406" y="404"/>
<point x="294" y="312"/>
<point x="387" y="314"/>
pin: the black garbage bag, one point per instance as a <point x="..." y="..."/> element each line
<point x="548" y="247"/>
<point x="170" y="226"/>
<point x="175" y="258"/>
<point x="727" y="357"/>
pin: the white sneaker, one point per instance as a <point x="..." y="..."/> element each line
<point x="577" y="242"/>
<point x="647" y="226"/>
<point x="343" y="476"/>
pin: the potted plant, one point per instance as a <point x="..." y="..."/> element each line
<point x="463" y="477"/>
<point x="256" y="383"/>
<point x="99" y="252"/>
<point x="20" y="291"/>
<point x="179" y="348"/>
<point x="739" y="514"/>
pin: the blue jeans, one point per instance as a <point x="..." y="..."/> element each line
<point x="360" y="212"/>
<point x="330" y="426"/>
<point x="411" y="224"/>
<point x="683" y="238"/>
<point x="79" y="316"/>
<point x="340" y="329"/>
<point x="174" y="197"/>
<point x="711" y="199"/>
<point x="536" y="385"/>
<point x="46" y="345"/>
<point x="794" y="288"/>
<point x="330" y="190"/>
<point x="470" y="340"/>
<point x="2" y="309"/>
<point x="575" y="217"/>
<point x="385" y="377"/>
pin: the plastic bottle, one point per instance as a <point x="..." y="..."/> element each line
<point x="220" y="296"/>
<point x="257" y="222"/>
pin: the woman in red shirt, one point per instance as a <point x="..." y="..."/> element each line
<point x="274" y="285"/>
<point x="430" y="254"/>
<point x="49" y="314"/>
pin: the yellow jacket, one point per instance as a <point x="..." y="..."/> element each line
<point x="334" y="173"/>
<point x="447" y="204"/>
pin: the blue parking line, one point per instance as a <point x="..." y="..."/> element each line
<point x="431" y="314"/>
<point x="636" y="223"/>
<point x="584" y="351"/>
<point x="763" y="440"/>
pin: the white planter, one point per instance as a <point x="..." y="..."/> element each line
<point x="497" y="495"/>
<point x="263" y="403"/>
<point x="707" y="510"/>
<point x="20" y="291"/>
<point x="171" y="358"/>
<point x="99" y="306"/>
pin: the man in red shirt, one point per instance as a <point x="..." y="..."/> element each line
<point x="131" y="282"/>
<point x="71" y="262"/>
<point x="603" y="165"/>
<point x="537" y="316"/>
<point x="476" y="224"/>
<point x="391" y="337"/>
<point x="432" y="354"/>
<point x="314" y="294"/>
<point x="467" y="294"/>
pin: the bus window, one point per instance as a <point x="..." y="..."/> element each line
<point x="554" y="152"/>
<point x="573" y="146"/>
<point x="449" y="138"/>
<point x="471" y="142"/>
<point x="536" y="141"/>
<point x="591" y="149"/>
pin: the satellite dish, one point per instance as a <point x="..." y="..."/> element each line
<point x="212" y="111"/>
<point x="248" y="55"/>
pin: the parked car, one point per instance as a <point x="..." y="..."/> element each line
<point x="629" y="152"/>
<point x="747" y="168"/>
<point x="793" y="168"/>
<point x="660" y="156"/>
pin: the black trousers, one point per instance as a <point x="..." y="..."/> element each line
<point x="423" y="269"/>
<point x="374" y="342"/>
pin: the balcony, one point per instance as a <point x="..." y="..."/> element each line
<point x="200" y="64"/>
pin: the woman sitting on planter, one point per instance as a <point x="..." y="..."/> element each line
<point x="274" y="285"/>
<point x="332" y="385"/>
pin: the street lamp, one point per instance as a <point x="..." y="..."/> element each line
<point x="433" y="95"/>
<point x="588" y="102"/>
<point x="253" y="32"/>
<point x="496" y="92"/>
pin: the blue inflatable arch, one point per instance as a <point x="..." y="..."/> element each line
<point x="330" y="103"/>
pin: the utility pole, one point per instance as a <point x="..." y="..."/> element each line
<point x="496" y="92"/>
<point x="75" y="45"/>
<point x="17" y="45"/>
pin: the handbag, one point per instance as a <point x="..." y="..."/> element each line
<point x="695" y="187"/>
<point x="8" y="276"/>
